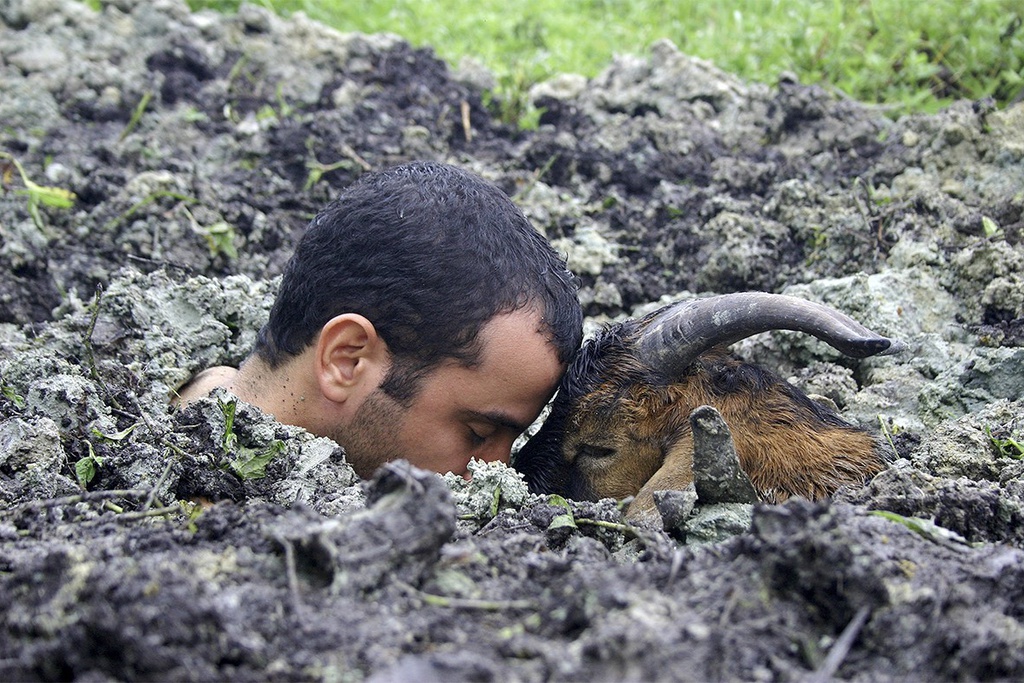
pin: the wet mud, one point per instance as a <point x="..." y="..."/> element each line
<point x="139" y="543"/>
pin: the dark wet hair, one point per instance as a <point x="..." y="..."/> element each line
<point x="429" y="254"/>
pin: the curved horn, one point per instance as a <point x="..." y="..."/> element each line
<point x="681" y="332"/>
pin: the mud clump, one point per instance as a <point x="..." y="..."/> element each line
<point x="215" y="543"/>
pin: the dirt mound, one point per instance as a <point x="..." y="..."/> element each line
<point x="215" y="543"/>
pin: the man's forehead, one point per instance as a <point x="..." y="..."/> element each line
<point x="518" y="372"/>
<point x="517" y="328"/>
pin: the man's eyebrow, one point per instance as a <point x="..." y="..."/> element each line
<point x="499" y="418"/>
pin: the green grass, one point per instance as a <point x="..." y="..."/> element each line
<point x="910" y="55"/>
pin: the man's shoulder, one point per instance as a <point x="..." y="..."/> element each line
<point x="203" y="383"/>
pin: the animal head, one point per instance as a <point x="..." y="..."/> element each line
<point x="619" y="425"/>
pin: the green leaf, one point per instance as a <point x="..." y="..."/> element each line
<point x="252" y="463"/>
<point x="560" y="521"/>
<point x="555" y="499"/>
<point x="40" y="194"/>
<point x="565" y="519"/>
<point x="230" y="440"/>
<point x="1011" y="77"/>
<point x="989" y="226"/>
<point x="220" y="239"/>
<point x="11" y="395"/>
<point x="50" y="196"/>
<point x="495" y="500"/>
<point x="137" y="113"/>
<point x="925" y="528"/>
<point x="1006" y="446"/>
<point x="116" y="437"/>
<point x="85" y="470"/>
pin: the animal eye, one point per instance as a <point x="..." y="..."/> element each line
<point x="586" y="450"/>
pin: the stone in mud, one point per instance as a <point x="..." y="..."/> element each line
<point x="717" y="475"/>
<point x="398" y="537"/>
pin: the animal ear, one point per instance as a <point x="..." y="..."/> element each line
<point x="675" y="474"/>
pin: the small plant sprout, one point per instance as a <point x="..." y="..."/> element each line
<point x="283" y="110"/>
<point x="246" y="462"/>
<point x="510" y="100"/>
<point x="220" y="236"/>
<point x="888" y="431"/>
<point x="563" y="519"/>
<point x="925" y="528"/>
<point x="350" y="160"/>
<point x="137" y="113"/>
<point x="220" y="239"/>
<point x="230" y="441"/>
<point x="251" y="463"/>
<point x="317" y="171"/>
<point x="85" y="468"/>
<point x="38" y="195"/>
<point x="1009" y="446"/>
<point x="116" y="437"/>
<point x="12" y="395"/>
<point x="990" y="228"/>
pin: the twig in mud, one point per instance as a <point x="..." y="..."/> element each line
<point x="125" y="517"/>
<point x="464" y="603"/>
<point x="145" y="201"/>
<point x="875" y="217"/>
<point x="161" y="262"/>
<point x="348" y="151"/>
<point x="127" y="415"/>
<point x="725" y="617"/>
<point x="467" y="126"/>
<point x="888" y="435"/>
<point x="292" y="572"/>
<point x="613" y="526"/>
<point x="159" y="482"/>
<point x="677" y="564"/>
<point x="143" y="514"/>
<point x="178" y="450"/>
<point x="90" y="355"/>
<point x="508" y="529"/>
<point x="142" y="416"/>
<point x="537" y="176"/>
<point x="105" y="497"/>
<point x="87" y="497"/>
<point x="137" y="113"/>
<point x="840" y="648"/>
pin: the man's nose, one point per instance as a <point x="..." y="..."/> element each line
<point x="498" y="452"/>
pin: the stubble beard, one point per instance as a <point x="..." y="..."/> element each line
<point x="370" y="440"/>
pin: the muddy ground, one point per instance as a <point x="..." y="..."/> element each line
<point x="138" y="544"/>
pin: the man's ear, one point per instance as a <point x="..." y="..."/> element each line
<point x="351" y="358"/>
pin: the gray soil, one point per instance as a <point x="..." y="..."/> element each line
<point x="215" y="543"/>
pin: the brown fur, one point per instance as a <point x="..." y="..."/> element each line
<point x="783" y="446"/>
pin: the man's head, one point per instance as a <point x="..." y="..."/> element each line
<point x="440" y="269"/>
